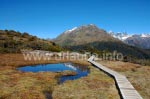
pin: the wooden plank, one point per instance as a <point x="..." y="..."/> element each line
<point x="124" y="86"/>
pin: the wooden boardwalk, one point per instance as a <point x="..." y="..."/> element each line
<point x="125" y="88"/>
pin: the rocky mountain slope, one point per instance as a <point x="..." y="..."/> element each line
<point x="83" y="35"/>
<point x="140" y="41"/>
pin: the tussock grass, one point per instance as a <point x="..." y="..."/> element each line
<point x="96" y="85"/>
<point x="19" y="85"/>
<point x="16" y="60"/>
<point x="15" y="84"/>
<point x="137" y="74"/>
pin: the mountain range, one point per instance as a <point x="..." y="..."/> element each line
<point x="83" y="38"/>
<point x="91" y="38"/>
<point x="137" y="40"/>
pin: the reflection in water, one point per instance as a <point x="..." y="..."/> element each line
<point x="80" y="70"/>
<point x="70" y="66"/>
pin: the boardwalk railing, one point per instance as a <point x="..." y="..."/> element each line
<point x="125" y="88"/>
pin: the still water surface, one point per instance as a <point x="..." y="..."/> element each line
<point x="59" y="67"/>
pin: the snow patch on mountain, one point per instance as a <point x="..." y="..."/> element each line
<point x="78" y="28"/>
<point x="71" y="30"/>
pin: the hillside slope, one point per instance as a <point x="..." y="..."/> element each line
<point x="12" y="41"/>
<point x="106" y="47"/>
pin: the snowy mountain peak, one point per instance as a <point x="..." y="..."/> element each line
<point x="145" y="35"/>
<point x="123" y="35"/>
<point x="138" y="40"/>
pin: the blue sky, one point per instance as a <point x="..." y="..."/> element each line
<point x="49" y="18"/>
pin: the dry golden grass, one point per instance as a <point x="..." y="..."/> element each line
<point x="18" y="85"/>
<point x="16" y="60"/>
<point x="29" y="85"/>
<point x="15" y="84"/>
<point x="137" y="74"/>
<point x="96" y="85"/>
